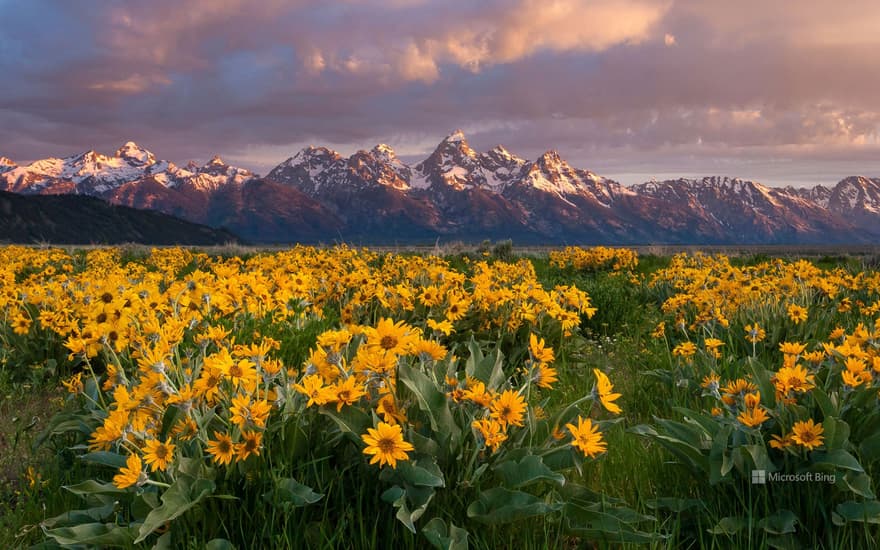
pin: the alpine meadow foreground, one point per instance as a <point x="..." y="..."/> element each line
<point x="349" y="398"/>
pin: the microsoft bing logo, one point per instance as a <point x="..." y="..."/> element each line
<point x="761" y="477"/>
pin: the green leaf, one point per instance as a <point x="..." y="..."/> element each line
<point x="105" y="458"/>
<point x="351" y="420"/>
<point x="432" y="401"/>
<point x="176" y="500"/>
<point x="393" y="493"/>
<point x="61" y="424"/>
<point x="411" y="503"/>
<point x="779" y="523"/>
<point x="869" y="450"/>
<point x="821" y="398"/>
<point x="836" y="433"/>
<point x="168" y="419"/>
<point x="93" y="534"/>
<point x="718" y="466"/>
<point x="836" y="459"/>
<point x="615" y="525"/>
<point x="689" y="452"/>
<point x="500" y="505"/>
<point x="92" y="487"/>
<point x="865" y="512"/>
<point x="453" y="538"/>
<point x="530" y="469"/>
<point x="728" y="526"/>
<point x="488" y="369"/>
<point x="424" y="445"/>
<point x="219" y="544"/>
<point x="163" y="542"/>
<point x="422" y="473"/>
<point x="76" y="517"/>
<point x="860" y="484"/>
<point x="290" y="492"/>
<point x="760" y="459"/>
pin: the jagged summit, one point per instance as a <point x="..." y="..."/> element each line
<point x="91" y="173"/>
<point x="383" y="151"/>
<point x="455" y="137"/>
<point x="459" y="193"/>
<point x="131" y="151"/>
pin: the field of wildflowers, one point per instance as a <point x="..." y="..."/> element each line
<point x="348" y="398"/>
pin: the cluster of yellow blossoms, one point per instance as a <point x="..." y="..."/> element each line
<point x="597" y="258"/>
<point x="720" y="309"/>
<point x="175" y="340"/>
<point x="708" y="290"/>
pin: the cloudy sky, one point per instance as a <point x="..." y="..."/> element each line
<point x="771" y="90"/>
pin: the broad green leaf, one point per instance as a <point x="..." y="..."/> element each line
<point x="411" y="503"/>
<point x="163" y="542"/>
<point x="288" y="491"/>
<point x="612" y="525"/>
<point x="585" y="497"/>
<point x="93" y="534"/>
<point x="177" y="499"/>
<point x="718" y="466"/>
<point x="836" y="459"/>
<point x="424" y="445"/>
<point x="869" y="450"/>
<point x="691" y="434"/>
<point x="194" y="468"/>
<point x="431" y="400"/>
<point x="860" y="484"/>
<point x="443" y="538"/>
<point x="92" y="487"/>
<point x="168" y="419"/>
<point x="61" y="424"/>
<point x="824" y="402"/>
<point x="351" y="420"/>
<point x="393" y="493"/>
<point x="836" y="433"/>
<point x="531" y="469"/>
<point x="76" y="517"/>
<point x="422" y="473"/>
<point x="779" y="523"/>
<point x="728" y="526"/>
<point x="500" y="505"/>
<point x="760" y="459"/>
<point x="688" y="454"/>
<point x="708" y="423"/>
<point x="488" y="369"/>
<point x="866" y="512"/>
<point x="105" y="458"/>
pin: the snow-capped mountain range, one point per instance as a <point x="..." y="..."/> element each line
<point x="456" y="192"/>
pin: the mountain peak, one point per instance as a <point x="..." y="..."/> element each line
<point x="131" y="151"/>
<point x="215" y="161"/>
<point x="859" y="181"/>
<point x="6" y="162"/>
<point x="312" y="152"/>
<point x="455" y="136"/>
<point x="384" y="152"/>
<point x="551" y="158"/>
